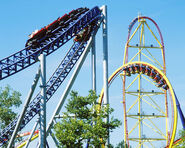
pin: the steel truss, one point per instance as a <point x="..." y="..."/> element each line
<point x="29" y="56"/>
<point x="144" y="52"/>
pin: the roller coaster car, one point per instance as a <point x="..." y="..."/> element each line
<point x="148" y="70"/>
<point x="152" y="74"/>
<point x="137" y="68"/>
<point x="83" y="35"/>
<point x="157" y="78"/>
<point x="142" y="69"/>
<point x="127" y="72"/>
<point x="76" y="13"/>
<point x="63" y="19"/>
<point x="82" y="10"/>
<point x="161" y="83"/>
<point x="132" y="69"/>
<point x="165" y="86"/>
<point x="37" y="37"/>
<point x="73" y="13"/>
<point x="80" y="36"/>
<point x="51" y="27"/>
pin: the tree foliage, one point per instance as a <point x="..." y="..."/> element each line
<point x="9" y="99"/>
<point x="82" y="121"/>
<point x="121" y="145"/>
<point x="182" y="136"/>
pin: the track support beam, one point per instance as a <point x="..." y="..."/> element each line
<point x="93" y="63"/>
<point x="105" y="63"/>
<point x="33" y="130"/>
<point x="42" y="134"/>
<point x="30" y="94"/>
<point x="54" y="139"/>
<point x="69" y="85"/>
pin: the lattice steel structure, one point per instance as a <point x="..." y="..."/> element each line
<point x="142" y="68"/>
<point x="147" y="46"/>
<point x="28" y="56"/>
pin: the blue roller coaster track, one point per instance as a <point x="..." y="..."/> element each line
<point x="61" y="35"/>
<point x="29" y="56"/>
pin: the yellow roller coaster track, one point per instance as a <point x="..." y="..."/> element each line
<point x="123" y="70"/>
<point x="143" y="52"/>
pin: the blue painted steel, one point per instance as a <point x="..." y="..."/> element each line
<point x="61" y="35"/>
<point x="180" y="111"/>
<point x="58" y="76"/>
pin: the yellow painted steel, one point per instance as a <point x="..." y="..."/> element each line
<point x="148" y="80"/>
<point x="156" y="62"/>
<point x="153" y="57"/>
<point x="132" y="82"/>
<point x="139" y="85"/>
<point x="157" y="106"/>
<point x="157" y="131"/>
<point x="153" y="34"/>
<point x="134" y="32"/>
<point x="132" y="105"/>
<point x="143" y="47"/>
<point x="146" y="116"/>
<point x="112" y="77"/>
<point x="137" y="123"/>
<point x="157" y="128"/>
<point x="160" y="110"/>
<point x="141" y="23"/>
<point x="24" y="143"/>
<point x="139" y="52"/>
<point x="160" y="46"/>
<point x="129" y="41"/>
<point x="148" y="93"/>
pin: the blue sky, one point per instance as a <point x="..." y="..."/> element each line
<point x="19" y="18"/>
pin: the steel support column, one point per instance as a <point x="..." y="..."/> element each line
<point x="42" y="59"/>
<point x="105" y="63"/>
<point x="93" y="70"/>
<point x="32" y="132"/>
<point x="69" y="85"/>
<point x="54" y="139"/>
<point x="30" y="94"/>
<point x="93" y="63"/>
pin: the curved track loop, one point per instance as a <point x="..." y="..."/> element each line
<point x="128" y="39"/>
<point x="124" y="68"/>
<point x="140" y="53"/>
<point x="28" y="56"/>
<point x="62" y="71"/>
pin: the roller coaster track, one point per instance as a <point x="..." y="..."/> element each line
<point x="142" y="20"/>
<point x="124" y="68"/>
<point x="29" y="56"/>
<point x="149" y="38"/>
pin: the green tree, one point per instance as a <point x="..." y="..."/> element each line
<point x="121" y="145"/>
<point x="182" y="136"/>
<point x="76" y="126"/>
<point x="9" y="99"/>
